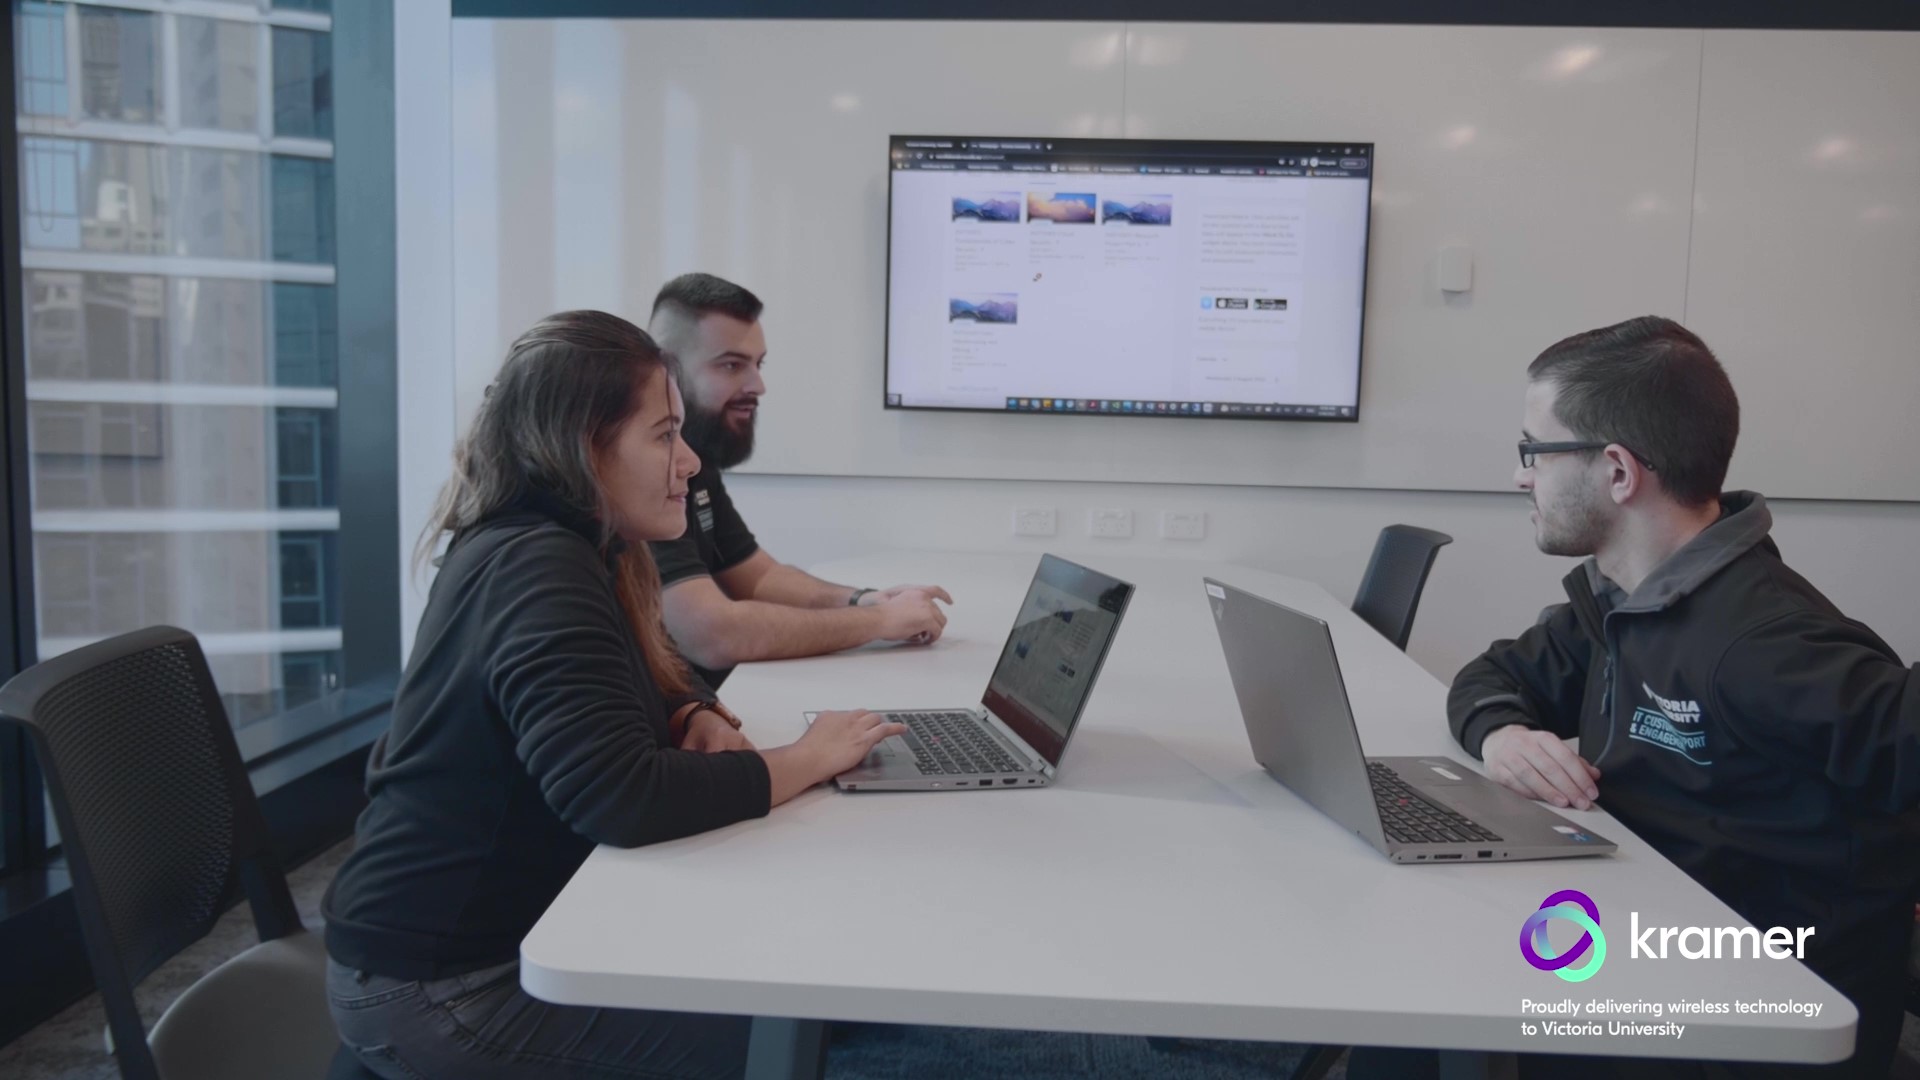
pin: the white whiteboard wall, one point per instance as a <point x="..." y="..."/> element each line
<point x="1806" y="255"/>
<point x="593" y="160"/>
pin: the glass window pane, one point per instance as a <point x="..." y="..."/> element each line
<point x="324" y="7"/>
<point x="309" y="596"/>
<point x="146" y="328"/>
<point x="218" y="331"/>
<point x="95" y="326"/>
<point x="219" y="74"/>
<point x="141" y="199"/>
<point x="120" y="65"/>
<point x="50" y="179"/>
<point x="186" y="457"/>
<point x="309" y="675"/>
<point x="122" y="197"/>
<point x="302" y="209"/>
<point x="92" y="585"/>
<point x="302" y="83"/>
<point x="255" y="687"/>
<point x="218" y="215"/>
<point x="304" y="353"/>
<point x="166" y="510"/>
<point x="56" y="332"/>
<point x="42" y="58"/>
<point x="307" y="445"/>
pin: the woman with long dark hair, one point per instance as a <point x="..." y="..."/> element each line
<point x="543" y="711"/>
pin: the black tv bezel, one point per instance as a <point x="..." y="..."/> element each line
<point x="1289" y="146"/>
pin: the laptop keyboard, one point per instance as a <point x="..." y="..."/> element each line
<point x="953" y="743"/>
<point x="1410" y="818"/>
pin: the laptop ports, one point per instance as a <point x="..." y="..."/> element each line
<point x="1486" y="854"/>
<point x="1455" y="855"/>
<point x="1011" y="780"/>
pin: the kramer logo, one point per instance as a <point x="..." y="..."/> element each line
<point x="1539" y="951"/>
<point x="1647" y="942"/>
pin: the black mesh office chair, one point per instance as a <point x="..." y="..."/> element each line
<point x="162" y="832"/>
<point x="1390" y="592"/>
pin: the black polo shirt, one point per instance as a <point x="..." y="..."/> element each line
<point x="716" y="540"/>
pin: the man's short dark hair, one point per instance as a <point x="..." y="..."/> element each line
<point x="698" y="295"/>
<point x="1652" y="386"/>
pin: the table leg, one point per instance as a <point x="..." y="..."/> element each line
<point x="1478" y="1065"/>
<point x="787" y="1049"/>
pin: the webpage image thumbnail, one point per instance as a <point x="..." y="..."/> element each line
<point x="998" y="308"/>
<point x="991" y="206"/>
<point x="1060" y="207"/>
<point x="1141" y="210"/>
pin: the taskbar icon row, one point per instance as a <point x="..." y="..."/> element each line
<point x="1175" y="408"/>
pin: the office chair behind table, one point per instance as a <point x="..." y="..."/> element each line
<point x="1396" y="576"/>
<point x="162" y="832"/>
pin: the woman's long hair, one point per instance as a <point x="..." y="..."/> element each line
<point x="566" y="387"/>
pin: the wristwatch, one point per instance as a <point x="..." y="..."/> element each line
<point x="854" y="600"/>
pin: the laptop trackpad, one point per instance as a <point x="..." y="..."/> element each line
<point x="888" y="748"/>
<point x="1433" y="772"/>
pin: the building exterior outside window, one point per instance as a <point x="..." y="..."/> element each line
<point x="176" y="178"/>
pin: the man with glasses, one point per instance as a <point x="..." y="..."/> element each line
<point x="1726" y="711"/>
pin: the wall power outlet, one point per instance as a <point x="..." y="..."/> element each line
<point x="1183" y="525"/>
<point x="1033" y="521"/>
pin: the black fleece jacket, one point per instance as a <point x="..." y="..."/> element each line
<point x="1743" y="726"/>
<point x="526" y="729"/>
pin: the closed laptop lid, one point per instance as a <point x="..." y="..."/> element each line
<point x="1294" y="704"/>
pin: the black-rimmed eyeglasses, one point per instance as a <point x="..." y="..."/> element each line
<point x="1529" y="450"/>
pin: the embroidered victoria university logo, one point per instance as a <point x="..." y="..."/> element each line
<point x="1671" y="725"/>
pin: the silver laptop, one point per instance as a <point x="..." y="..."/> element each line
<point x="1032" y="703"/>
<point x="1413" y="809"/>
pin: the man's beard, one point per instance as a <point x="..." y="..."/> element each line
<point x="1576" y="526"/>
<point x="718" y="443"/>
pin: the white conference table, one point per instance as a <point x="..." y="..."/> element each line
<point x="1165" y="886"/>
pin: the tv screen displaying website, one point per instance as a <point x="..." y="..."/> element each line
<point x="1127" y="277"/>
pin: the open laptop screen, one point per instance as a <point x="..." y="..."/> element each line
<point x="1061" y="637"/>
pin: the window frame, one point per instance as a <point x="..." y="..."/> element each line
<point x="305" y="761"/>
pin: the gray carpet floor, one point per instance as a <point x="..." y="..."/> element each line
<point x="70" y="1046"/>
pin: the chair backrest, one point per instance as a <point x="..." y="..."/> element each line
<point x="157" y="817"/>
<point x="1390" y="592"/>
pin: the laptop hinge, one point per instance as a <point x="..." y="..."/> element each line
<point x="1034" y="761"/>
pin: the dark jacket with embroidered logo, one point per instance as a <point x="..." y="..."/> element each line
<point x="526" y="729"/>
<point x="1743" y="727"/>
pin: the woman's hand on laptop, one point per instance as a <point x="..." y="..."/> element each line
<point x="836" y="742"/>
<point x="1540" y="765"/>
